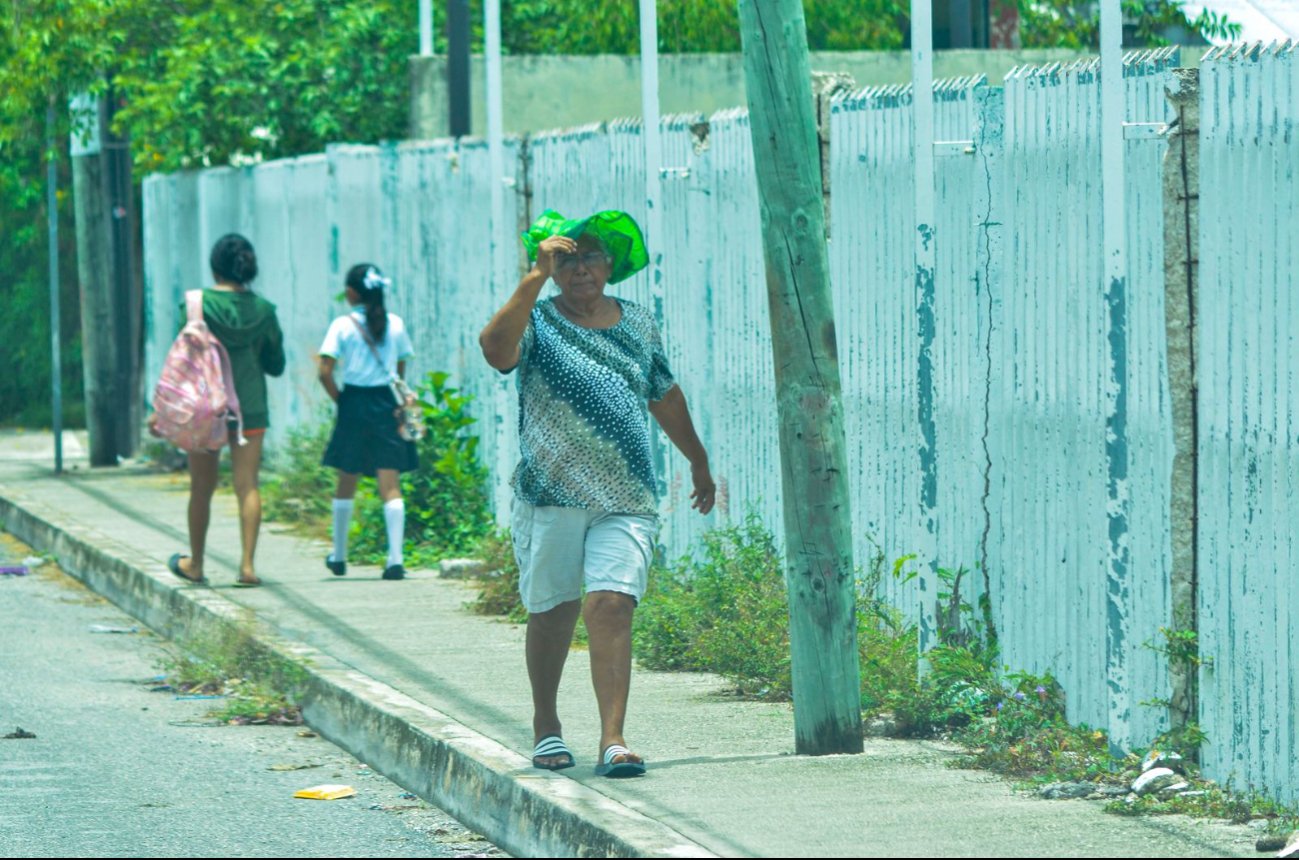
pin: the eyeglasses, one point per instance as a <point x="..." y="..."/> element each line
<point x="588" y="260"/>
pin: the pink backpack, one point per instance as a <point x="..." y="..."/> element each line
<point x="195" y="396"/>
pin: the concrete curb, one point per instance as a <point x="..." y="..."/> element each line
<point x="488" y="786"/>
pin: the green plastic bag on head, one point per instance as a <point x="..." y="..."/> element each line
<point x="618" y="230"/>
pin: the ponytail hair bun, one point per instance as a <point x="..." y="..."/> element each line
<point x="368" y="282"/>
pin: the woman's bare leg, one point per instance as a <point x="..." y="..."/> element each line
<point x="202" y="484"/>
<point x="247" y="461"/>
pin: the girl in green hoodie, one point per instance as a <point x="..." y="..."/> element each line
<point x="246" y="325"/>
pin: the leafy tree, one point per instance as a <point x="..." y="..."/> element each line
<point x="33" y="43"/>
<point x="685" y="26"/>
<point x="207" y="81"/>
<point x="197" y="82"/>
<point x="268" y="78"/>
<point x="1150" y="23"/>
<point x="204" y="81"/>
<point x="24" y="291"/>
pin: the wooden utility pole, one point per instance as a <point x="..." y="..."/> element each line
<point x="107" y="266"/>
<point x="818" y="535"/>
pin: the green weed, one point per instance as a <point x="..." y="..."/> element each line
<point x="259" y="688"/>
<point x="499" y="591"/>
<point x="1213" y="801"/>
<point x="301" y="490"/>
<point x="724" y="611"/>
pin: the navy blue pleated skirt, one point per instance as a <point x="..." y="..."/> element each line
<point x="365" y="434"/>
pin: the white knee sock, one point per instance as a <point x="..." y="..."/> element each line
<point x="342" y="519"/>
<point x="394" y="514"/>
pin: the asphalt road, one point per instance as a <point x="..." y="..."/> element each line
<point x="118" y="771"/>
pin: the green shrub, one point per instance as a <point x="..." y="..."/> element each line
<point x="724" y="612"/>
<point x="887" y="645"/>
<point x="301" y="490"/>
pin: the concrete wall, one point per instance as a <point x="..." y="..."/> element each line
<point x="559" y="92"/>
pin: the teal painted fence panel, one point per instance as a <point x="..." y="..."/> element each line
<point x="1248" y="510"/>
<point x="1048" y="541"/>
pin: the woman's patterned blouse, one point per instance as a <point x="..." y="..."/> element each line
<point x="583" y="429"/>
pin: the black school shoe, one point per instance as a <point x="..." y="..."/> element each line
<point x="394" y="571"/>
<point x="338" y="568"/>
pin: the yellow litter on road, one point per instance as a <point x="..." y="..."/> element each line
<point x="326" y="792"/>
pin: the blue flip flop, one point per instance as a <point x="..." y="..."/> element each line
<point x="549" y="747"/>
<point x="173" y="564"/>
<point x="618" y="769"/>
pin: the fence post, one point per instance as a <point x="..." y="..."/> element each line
<point x="103" y="202"/>
<point x="1181" y="258"/>
<point x="826" y="87"/>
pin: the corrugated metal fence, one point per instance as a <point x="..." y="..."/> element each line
<point x="1248" y="375"/>
<point x="1048" y="540"/>
<point x="1019" y="355"/>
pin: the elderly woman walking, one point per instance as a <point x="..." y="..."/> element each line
<point x="585" y="513"/>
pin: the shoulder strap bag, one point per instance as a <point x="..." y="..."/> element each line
<point x="409" y="414"/>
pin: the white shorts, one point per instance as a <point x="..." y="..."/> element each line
<point x="561" y="549"/>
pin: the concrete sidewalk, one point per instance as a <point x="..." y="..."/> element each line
<point x="437" y="699"/>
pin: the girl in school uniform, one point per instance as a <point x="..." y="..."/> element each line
<point x="372" y="347"/>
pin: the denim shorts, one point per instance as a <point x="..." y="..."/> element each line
<point x="561" y="550"/>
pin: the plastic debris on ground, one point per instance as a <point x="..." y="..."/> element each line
<point x="33" y="561"/>
<point x="108" y="628"/>
<point x="325" y="792"/>
<point x="13" y="570"/>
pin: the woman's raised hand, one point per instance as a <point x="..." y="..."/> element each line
<point x="547" y="250"/>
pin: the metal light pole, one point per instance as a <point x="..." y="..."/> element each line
<point x="52" y="212"/>
<point x="649" y="97"/>
<point x="426" y="28"/>
<point x="495" y="132"/>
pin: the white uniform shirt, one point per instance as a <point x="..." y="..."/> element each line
<point x="345" y="343"/>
